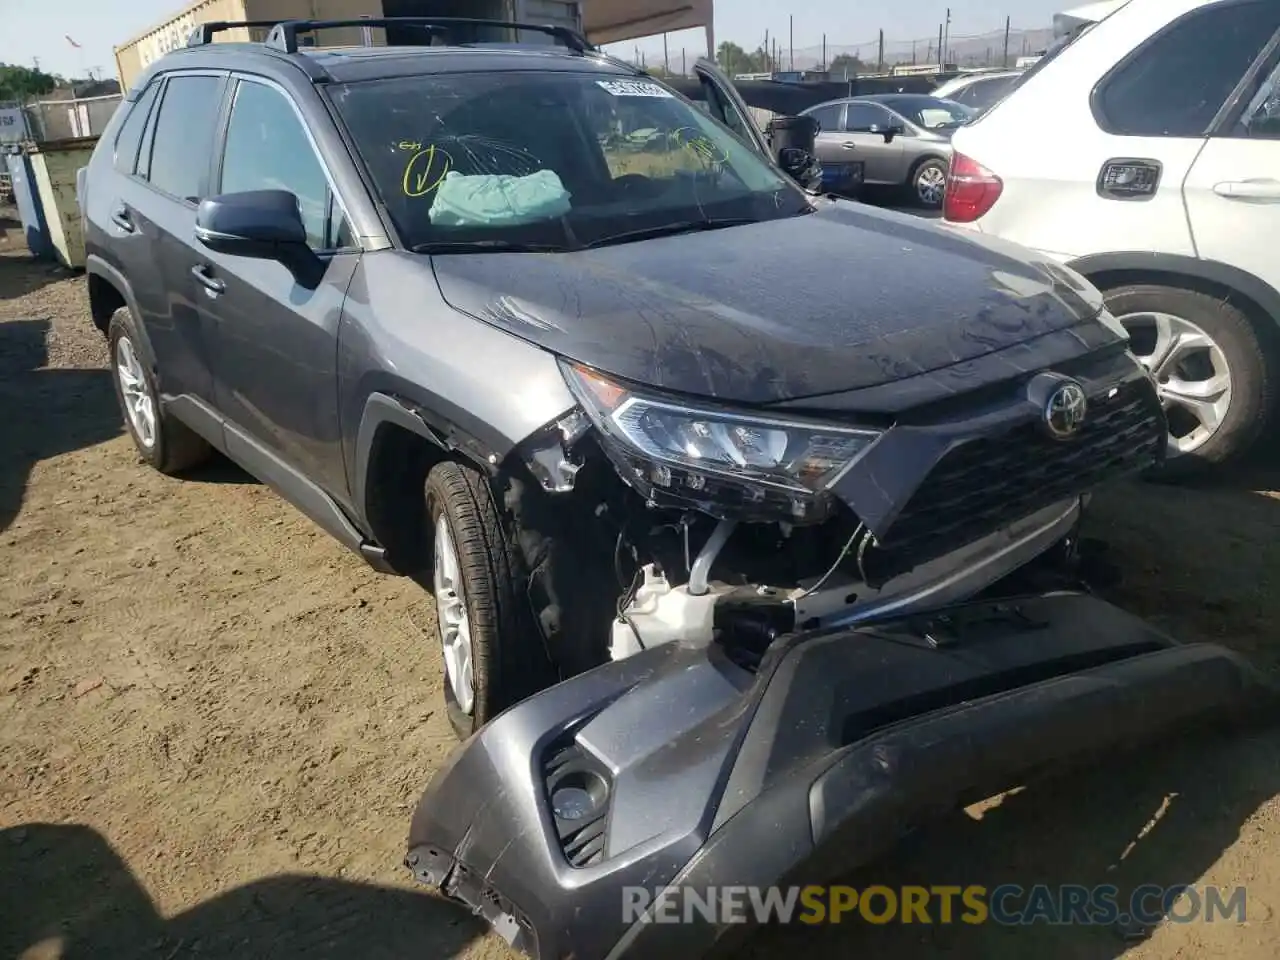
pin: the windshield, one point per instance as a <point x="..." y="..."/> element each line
<point x="552" y="160"/>
<point x="932" y="113"/>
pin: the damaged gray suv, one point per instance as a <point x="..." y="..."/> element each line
<point x="520" y="321"/>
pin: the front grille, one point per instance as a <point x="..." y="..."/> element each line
<point x="988" y="483"/>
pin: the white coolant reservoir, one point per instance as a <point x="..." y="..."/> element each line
<point x="661" y="613"/>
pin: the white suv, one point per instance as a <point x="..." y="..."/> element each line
<point x="1144" y="152"/>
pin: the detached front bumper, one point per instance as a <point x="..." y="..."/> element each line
<point x="677" y="768"/>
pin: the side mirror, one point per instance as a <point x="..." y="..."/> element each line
<point x="264" y="224"/>
<point x="893" y="130"/>
<point x="802" y="167"/>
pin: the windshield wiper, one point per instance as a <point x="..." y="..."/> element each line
<point x="485" y="246"/>
<point x="671" y="229"/>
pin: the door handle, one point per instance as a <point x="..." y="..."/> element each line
<point x="1259" y="189"/>
<point x="849" y="145"/>
<point x="120" y="217"/>
<point x="213" y="285"/>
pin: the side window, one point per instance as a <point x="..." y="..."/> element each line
<point x="268" y="148"/>
<point x="866" y="118"/>
<point x="130" y="136"/>
<point x="183" y="135"/>
<point x="1175" y="85"/>
<point x="828" y="117"/>
<point x="1261" y="119"/>
<point x="986" y="92"/>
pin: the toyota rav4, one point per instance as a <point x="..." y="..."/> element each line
<point x="523" y="322"/>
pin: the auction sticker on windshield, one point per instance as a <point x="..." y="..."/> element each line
<point x="634" y="88"/>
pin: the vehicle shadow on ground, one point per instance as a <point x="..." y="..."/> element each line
<point x="45" y="411"/>
<point x="1163" y="819"/>
<point x="67" y="894"/>
<point x="23" y="274"/>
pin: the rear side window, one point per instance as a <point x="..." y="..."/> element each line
<point x="183" y="135"/>
<point x="828" y="117"/>
<point x="1175" y="84"/>
<point x="130" y="137"/>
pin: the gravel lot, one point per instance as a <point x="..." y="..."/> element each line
<point x="214" y="721"/>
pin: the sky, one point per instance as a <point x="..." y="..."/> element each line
<point x="37" y="30"/>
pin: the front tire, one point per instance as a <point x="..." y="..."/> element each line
<point x="928" y="183"/>
<point x="1215" y="371"/>
<point x="167" y="444"/>
<point x="493" y="656"/>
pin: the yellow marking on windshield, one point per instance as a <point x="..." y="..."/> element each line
<point x="425" y="169"/>
<point x="701" y="146"/>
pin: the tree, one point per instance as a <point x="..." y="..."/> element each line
<point x="846" y="65"/>
<point x="732" y="59"/>
<point x="23" y="83"/>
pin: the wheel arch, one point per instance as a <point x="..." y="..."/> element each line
<point x="395" y="449"/>
<point x="109" y="290"/>
<point x="1258" y="299"/>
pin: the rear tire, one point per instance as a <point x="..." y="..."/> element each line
<point x="1193" y="343"/>
<point x="486" y="597"/>
<point x="164" y="442"/>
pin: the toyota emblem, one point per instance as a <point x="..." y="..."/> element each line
<point x="1064" y="411"/>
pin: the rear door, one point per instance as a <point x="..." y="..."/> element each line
<point x="276" y="343"/>
<point x="1233" y="191"/>
<point x="829" y="143"/>
<point x="154" y="218"/>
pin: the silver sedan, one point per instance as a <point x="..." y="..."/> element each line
<point x="900" y="139"/>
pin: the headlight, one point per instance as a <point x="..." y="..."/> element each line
<point x="726" y="462"/>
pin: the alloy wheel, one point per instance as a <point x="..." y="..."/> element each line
<point x="1191" y="374"/>
<point x="931" y="182"/>
<point x="452" y="618"/>
<point x="139" y="404"/>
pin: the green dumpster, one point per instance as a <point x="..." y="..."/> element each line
<point x="54" y="164"/>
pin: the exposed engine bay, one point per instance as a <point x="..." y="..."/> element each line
<point x="722" y="531"/>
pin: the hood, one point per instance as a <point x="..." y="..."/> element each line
<point x="841" y="299"/>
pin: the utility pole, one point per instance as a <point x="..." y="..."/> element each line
<point x="666" y="61"/>
<point x="913" y="53"/>
<point x="1005" y="61"/>
<point x="941" y="64"/>
<point x="684" y="66"/>
<point x="824" y="51"/>
<point x="946" y="42"/>
<point x="880" y="55"/>
<point x="791" y="42"/>
<point x="768" y="52"/>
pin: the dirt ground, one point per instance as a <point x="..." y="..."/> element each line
<point x="214" y="721"/>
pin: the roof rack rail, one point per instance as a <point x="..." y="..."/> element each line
<point x="284" y="34"/>
<point x="203" y="33"/>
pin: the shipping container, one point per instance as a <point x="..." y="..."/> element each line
<point x="133" y="57"/>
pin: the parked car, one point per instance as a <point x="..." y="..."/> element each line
<point x="1155" y="172"/>
<point x="902" y="139"/>
<point x="598" y="393"/>
<point x="978" y="91"/>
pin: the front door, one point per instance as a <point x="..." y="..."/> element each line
<point x="275" y="352"/>
<point x="1233" y="189"/>
<point x="726" y="105"/>
<point x="864" y="133"/>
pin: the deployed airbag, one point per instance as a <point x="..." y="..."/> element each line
<point x="493" y="200"/>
